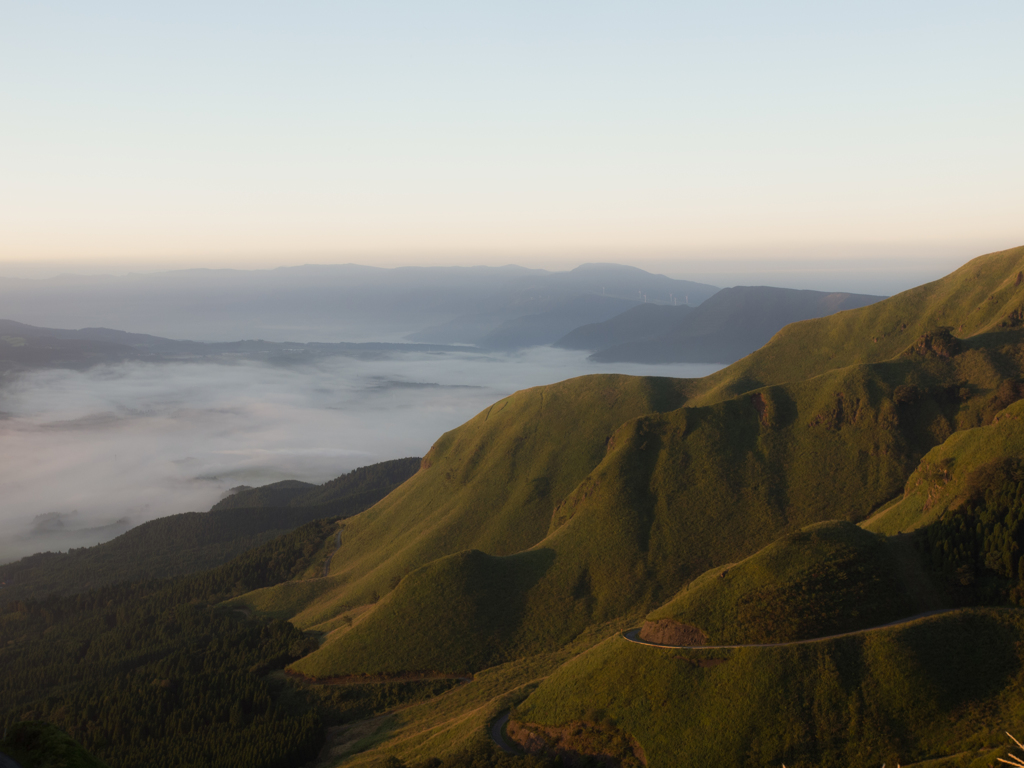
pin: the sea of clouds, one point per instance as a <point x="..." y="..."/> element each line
<point x="85" y="455"/>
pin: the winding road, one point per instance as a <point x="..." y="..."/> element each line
<point x="498" y="734"/>
<point x="633" y="636"/>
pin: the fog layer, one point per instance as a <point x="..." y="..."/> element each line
<point x="84" y="455"/>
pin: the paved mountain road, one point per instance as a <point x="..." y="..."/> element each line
<point x="498" y="734"/>
<point x="633" y="636"/>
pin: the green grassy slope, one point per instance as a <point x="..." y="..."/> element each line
<point x="825" y="579"/>
<point x="491" y="485"/>
<point x="933" y="688"/>
<point x="978" y="297"/>
<point x="949" y="472"/>
<point x="678" y="493"/>
<point x="631" y="490"/>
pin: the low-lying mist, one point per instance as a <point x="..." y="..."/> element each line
<point x="86" y="455"/>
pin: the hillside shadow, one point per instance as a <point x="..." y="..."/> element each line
<point x="968" y="657"/>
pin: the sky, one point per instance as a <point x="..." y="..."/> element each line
<point x="146" y="136"/>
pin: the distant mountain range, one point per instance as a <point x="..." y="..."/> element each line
<point x="348" y="302"/>
<point x="729" y="325"/>
<point x="825" y="538"/>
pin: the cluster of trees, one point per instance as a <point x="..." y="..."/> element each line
<point x="151" y="673"/>
<point x="139" y="677"/>
<point x="192" y="542"/>
<point x="842" y="594"/>
<point x="977" y="548"/>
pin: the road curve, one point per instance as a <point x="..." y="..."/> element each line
<point x="633" y="636"/>
<point x="498" y="734"/>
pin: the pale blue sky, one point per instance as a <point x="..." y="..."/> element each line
<point x="542" y="133"/>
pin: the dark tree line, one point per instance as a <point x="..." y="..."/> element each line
<point x="153" y="674"/>
<point x="976" y="549"/>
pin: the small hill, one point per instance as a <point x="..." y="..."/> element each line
<point x="926" y="690"/>
<point x="731" y="324"/>
<point x="641" y="323"/>
<point x="825" y="579"/>
<point x="294" y="493"/>
<point x="195" y="541"/>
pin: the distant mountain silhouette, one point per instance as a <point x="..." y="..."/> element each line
<point x="729" y="325"/>
<point x="538" y="310"/>
<point x="640" y="323"/>
<point x="342" y="302"/>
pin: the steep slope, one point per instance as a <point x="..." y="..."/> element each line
<point x="627" y="505"/>
<point x="675" y="494"/>
<point x="491" y="484"/>
<point x="986" y="295"/>
<point x="951" y="473"/>
<point x="732" y="323"/>
<point x="641" y="323"/>
<point x="930" y="689"/>
<point x="825" y="579"/>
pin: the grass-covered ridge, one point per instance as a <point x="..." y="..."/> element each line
<point x="950" y="473"/>
<point x="825" y="579"/>
<point x="929" y="689"/>
<point x="982" y="296"/>
<point x="595" y="501"/>
<point x="537" y="531"/>
<point x="674" y="495"/>
<point x="492" y="484"/>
